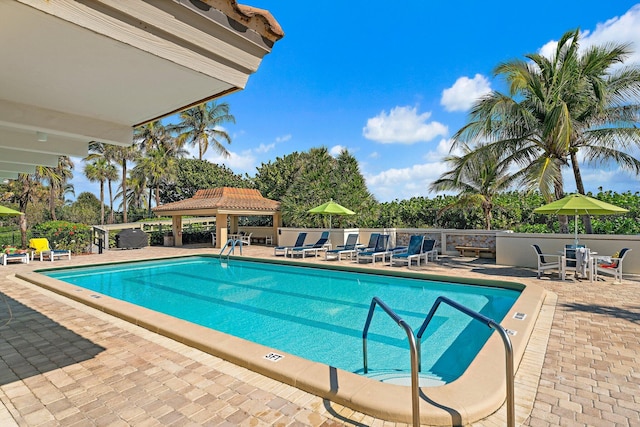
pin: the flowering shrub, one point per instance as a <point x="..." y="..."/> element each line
<point x="65" y="235"/>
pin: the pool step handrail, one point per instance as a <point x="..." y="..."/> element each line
<point x="413" y="349"/>
<point x="508" y="349"/>
<point x="231" y="244"/>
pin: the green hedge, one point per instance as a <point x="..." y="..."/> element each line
<point x="65" y="235"/>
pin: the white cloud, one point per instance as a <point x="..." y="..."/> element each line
<point x="283" y="138"/>
<point x="464" y="92"/>
<point x="404" y="183"/>
<point x="619" y="30"/>
<point x="403" y="125"/>
<point x="238" y="162"/>
<point x="262" y="148"/>
<point x="374" y="155"/>
<point x="336" y="150"/>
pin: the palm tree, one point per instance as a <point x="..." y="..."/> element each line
<point x="98" y="171"/>
<point x="201" y="125"/>
<point x="29" y="189"/>
<point x="122" y="155"/>
<point x="157" y="165"/>
<point x="135" y="190"/>
<point x="478" y="178"/>
<point x="554" y="108"/>
<point x="57" y="178"/>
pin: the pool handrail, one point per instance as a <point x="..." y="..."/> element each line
<point x="413" y="349"/>
<point x="231" y="244"/>
<point x="508" y="348"/>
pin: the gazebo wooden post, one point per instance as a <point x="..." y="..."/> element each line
<point x="176" y="227"/>
<point x="277" y="223"/>
<point x="221" y="230"/>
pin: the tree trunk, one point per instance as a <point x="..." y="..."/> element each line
<point x="563" y="221"/>
<point x="52" y="201"/>
<point x="586" y="219"/>
<point x="101" y="202"/>
<point x="110" y="203"/>
<point x="124" y="191"/>
<point x="23" y="230"/>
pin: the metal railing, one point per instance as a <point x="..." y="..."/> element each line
<point x="231" y="244"/>
<point x="510" y="400"/>
<point x="415" y="385"/>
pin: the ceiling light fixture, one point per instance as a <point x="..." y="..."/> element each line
<point x="42" y="137"/>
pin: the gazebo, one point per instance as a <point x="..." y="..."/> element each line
<point x="225" y="203"/>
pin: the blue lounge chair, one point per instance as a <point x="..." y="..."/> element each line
<point x="373" y="239"/>
<point x="283" y="249"/>
<point x="413" y="253"/>
<point x="349" y="248"/>
<point x="380" y="251"/>
<point x="320" y="245"/>
<point x="429" y="250"/>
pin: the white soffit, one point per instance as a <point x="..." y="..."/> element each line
<point x="81" y="71"/>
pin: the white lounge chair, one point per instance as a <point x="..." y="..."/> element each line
<point x="24" y="257"/>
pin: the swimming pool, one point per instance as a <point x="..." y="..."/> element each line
<point x="477" y="393"/>
<point x="312" y="313"/>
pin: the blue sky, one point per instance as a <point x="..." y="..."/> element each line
<point x="392" y="82"/>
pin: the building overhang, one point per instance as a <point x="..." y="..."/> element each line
<point x="80" y="71"/>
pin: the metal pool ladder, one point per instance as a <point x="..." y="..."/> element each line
<point x="415" y="344"/>
<point x="231" y="244"/>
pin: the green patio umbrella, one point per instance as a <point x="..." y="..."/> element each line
<point x="331" y="208"/>
<point x="9" y="212"/>
<point x="578" y="204"/>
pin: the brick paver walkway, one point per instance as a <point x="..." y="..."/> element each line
<point x="62" y="363"/>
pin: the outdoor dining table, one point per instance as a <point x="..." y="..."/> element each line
<point x="591" y="263"/>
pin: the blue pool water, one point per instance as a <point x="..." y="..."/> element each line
<point x="313" y="313"/>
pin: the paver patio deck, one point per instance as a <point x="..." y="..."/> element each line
<point x="62" y="363"/>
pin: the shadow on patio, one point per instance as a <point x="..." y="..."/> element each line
<point x="32" y="344"/>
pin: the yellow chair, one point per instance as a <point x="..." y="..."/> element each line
<point x="41" y="247"/>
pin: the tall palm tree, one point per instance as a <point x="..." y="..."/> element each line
<point x="29" y="189"/>
<point x="202" y="126"/>
<point x="57" y="178"/>
<point x="555" y="107"/>
<point x="157" y="165"/>
<point x="135" y="190"/>
<point x="98" y="171"/>
<point x="123" y="155"/>
<point x="478" y="178"/>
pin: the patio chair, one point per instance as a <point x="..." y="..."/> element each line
<point x="548" y="262"/>
<point x="612" y="265"/>
<point x="283" y="249"/>
<point x="320" y="245"/>
<point x="413" y="253"/>
<point x="246" y="239"/>
<point x="349" y="248"/>
<point x="42" y="248"/>
<point x="380" y="251"/>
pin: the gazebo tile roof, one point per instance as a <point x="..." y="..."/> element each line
<point x="222" y="198"/>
